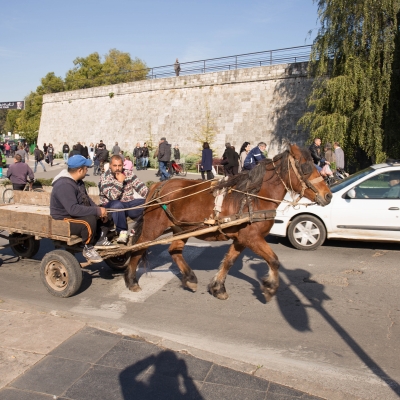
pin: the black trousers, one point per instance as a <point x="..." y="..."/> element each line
<point x="209" y="175"/>
<point x="19" y="186"/>
<point x="85" y="227"/>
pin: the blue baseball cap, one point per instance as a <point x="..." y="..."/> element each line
<point x="78" y="161"/>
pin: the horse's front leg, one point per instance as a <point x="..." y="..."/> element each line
<point x="270" y="283"/>
<point x="130" y="273"/>
<point x="217" y="284"/>
<point x="189" y="279"/>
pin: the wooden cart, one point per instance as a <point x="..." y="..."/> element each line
<point x="27" y="221"/>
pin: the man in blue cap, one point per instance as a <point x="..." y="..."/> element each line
<point x="70" y="202"/>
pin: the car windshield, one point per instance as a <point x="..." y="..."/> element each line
<point x="351" y="179"/>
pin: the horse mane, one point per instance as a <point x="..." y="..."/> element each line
<point x="251" y="181"/>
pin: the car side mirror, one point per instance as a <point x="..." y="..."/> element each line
<point x="352" y="194"/>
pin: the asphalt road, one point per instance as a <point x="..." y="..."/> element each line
<point x="332" y="330"/>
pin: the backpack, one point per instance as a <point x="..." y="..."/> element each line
<point x="41" y="155"/>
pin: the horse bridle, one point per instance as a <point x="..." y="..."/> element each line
<point x="302" y="172"/>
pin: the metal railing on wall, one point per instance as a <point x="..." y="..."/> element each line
<point x="248" y="60"/>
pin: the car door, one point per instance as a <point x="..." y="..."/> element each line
<point x="369" y="215"/>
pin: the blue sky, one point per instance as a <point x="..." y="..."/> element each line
<point x="47" y="35"/>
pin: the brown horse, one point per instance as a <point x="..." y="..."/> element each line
<point x="248" y="192"/>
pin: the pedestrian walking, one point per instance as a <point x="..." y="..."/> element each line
<point x="50" y="154"/>
<point x="229" y="160"/>
<point x="39" y="157"/>
<point x="164" y="157"/>
<point x="177" y="67"/>
<point x="13" y="149"/>
<point x="7" y="149"/>
<point x="79" y="147"/>
<point x="65" y="150"/>
<point x="254" y="156"/>
<point x="45" y="148"/>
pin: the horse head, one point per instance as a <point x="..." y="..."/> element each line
<point x="305" y="178"/>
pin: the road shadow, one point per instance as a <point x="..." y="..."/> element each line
<point x="162" y="376"/>
<point x="295" y="313"/>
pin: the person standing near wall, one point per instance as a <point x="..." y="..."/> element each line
<point x="177" y="67"/>
<point x="138" y="154"/>
<point x="339" y="154"/>
<point x="244" y="150"/>
<point x="145" y="155"/>
<point x="50" y="154"/>
<point x="206" y="162"/>
<point x="177" y="153"/>
<point x="65" y="150"/>
<point x="115" y="150"/>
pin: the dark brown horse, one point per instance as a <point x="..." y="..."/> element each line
<point x="247" y="192"/>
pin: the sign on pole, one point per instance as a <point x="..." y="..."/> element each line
<point x="12" y="105"/>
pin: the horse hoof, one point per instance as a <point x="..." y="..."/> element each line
<point x="135" y="288"/>
<point x="221" y="295"/>
<point x="190" y="285"/>
<point x="218" y="291"/>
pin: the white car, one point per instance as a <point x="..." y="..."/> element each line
<point x="362" y="208"/>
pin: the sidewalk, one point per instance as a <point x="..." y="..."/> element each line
<point x="48" y="357"/>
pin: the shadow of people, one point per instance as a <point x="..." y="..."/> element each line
<point x="162" y="376"/>
<point x="314" y="292"/>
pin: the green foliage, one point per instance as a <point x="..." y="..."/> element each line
<point x="3" y="118"/>
<point x="117" y="67"/>
<point x="89" y="184"/>
<point x="191" y="161"/>
<point x="354" y="47"/>
<point x="149" y="183"/>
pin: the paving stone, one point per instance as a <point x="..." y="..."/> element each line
<point x="275" y="389"/>
<point x="127" y="353"/>
<point x="212" y="391"/>
<point x="86" y="346"/>
<point x="51" y="375"/>
<point x="172" y="364"/>
<point x="229" y="377"/>
<point x="15" y="394"/>
<point x="97" y="383"/>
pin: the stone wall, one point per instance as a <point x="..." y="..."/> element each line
<point x="253" y="104"/>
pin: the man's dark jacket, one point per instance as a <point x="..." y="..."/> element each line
<point x="229" y="155"/>
<point x="138" y="152"/>
<point x="70" y="199"/>
<point x="145" y="152"/>
<point x="315" y="153"/>
<point x="164" y="151"/>
<point x="65" y="148"/>
<point x="102" y="155"/>
<point x="79" y="147"/>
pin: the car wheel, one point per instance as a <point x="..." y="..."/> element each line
<point x="306" y="232"/>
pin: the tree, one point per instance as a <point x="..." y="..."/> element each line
<point x="208" y="131"/>
<point x="354" y="48"/>
<point x="3" y="118"/>
<point x="118" y="67"/>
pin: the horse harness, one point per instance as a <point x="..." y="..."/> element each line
<point x="302" y="172"/>
<point x="254" y="216"/>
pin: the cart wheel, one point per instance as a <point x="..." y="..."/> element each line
<point x="61" y="273"/>
<point x="119" y="263"/>
<point x="26" y="249"/>
<point x="8" y="196"/>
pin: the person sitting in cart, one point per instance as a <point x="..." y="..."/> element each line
<point x="122" y="189"/>
<point x="18" y="173"/>
<point x="70" y="202"/>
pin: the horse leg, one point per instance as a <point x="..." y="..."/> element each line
<point x="217" y="284"/>
<point x="189" y="279"/>
<point x="130" y="273"/>
<point x="270" y="283"/>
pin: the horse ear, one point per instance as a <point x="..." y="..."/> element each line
<point x="294" y="150"/>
